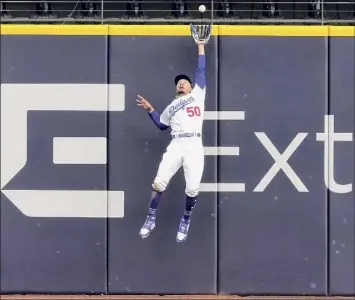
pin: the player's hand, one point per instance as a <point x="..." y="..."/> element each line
<point x="144" y="103"/>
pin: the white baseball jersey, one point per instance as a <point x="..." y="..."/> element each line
<point x="185" y="114"/>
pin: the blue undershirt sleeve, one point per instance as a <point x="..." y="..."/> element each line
<point x="200" y="77"/>
<point x="154" y="115"/>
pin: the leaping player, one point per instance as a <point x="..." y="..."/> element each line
<point x="184" y="116"/>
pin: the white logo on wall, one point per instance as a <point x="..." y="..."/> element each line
<point x="329" y="137"/>
<point x="16" y="101"/>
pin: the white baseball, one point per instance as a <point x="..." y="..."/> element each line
<point x="202" y="8"/>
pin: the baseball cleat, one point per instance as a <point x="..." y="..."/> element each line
<point x="147" y="227"/>
<point x="183" y="230"/>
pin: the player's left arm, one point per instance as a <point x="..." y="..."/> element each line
<point x="200" y="76"/>
<point x="161" y="121"/>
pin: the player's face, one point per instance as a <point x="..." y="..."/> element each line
<point x="183" y="87"/>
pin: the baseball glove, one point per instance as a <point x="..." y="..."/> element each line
<point x="200" y="33"/>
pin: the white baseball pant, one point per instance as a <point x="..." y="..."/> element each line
<point x="186" y="152"/>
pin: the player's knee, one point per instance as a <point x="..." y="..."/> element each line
<point x="192" y="192"/>
<point x="159" y="185"/>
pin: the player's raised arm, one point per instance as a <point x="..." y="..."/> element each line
<point x="201" y="35"/>
<point x="200" y="76"/>
<point x="153" y="114"/>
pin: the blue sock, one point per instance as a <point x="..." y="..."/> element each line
<point x="189" y="207"/>
<point x="155" y="199"/>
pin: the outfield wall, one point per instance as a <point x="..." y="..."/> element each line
<point x="78" y="158"/>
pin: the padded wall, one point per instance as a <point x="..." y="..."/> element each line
<point x="78" y="158"/>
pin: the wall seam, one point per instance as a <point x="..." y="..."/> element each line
<point x="328" y="112"/>
<point x="217" y="163"/>
<point x="107" y="63"/>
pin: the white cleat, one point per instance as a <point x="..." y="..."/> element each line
<point x="183" y="230"/>
<point x="147" y="227"/>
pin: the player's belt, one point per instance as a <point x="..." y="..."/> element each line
<point x="184" y="135"/>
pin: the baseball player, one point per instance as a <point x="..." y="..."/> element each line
<point x="184" y="115"/>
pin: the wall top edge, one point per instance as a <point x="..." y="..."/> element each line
<point x="178" y="30"/>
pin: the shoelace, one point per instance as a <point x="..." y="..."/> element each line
<point x="148" y="222"/>
<point x="183" y="226"/>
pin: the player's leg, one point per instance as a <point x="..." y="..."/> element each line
<point x="193" y="164"/>
<point x="169" y="165"/>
